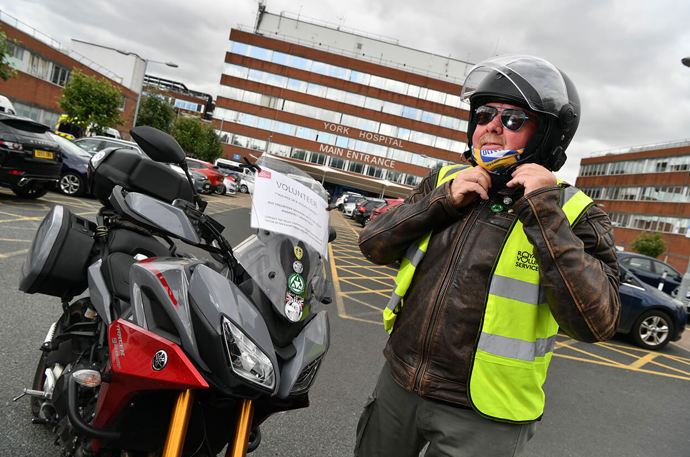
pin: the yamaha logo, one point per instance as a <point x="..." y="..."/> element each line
<point x="159" y="360"/>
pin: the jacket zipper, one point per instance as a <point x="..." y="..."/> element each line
<point x="458" y="247"/>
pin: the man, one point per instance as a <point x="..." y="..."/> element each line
<point x="495" y="257"/>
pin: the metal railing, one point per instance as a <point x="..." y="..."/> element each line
<point x="642" y="148"/>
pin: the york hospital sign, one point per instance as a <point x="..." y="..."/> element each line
<point x="356" y="155"/>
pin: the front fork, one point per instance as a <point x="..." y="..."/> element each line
<point x="238" y="448"/>
<point x="174" y="443"/>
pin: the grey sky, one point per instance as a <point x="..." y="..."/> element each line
<point x="624" y="56"/>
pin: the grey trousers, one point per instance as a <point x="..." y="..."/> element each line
<point x="399" y="423"/>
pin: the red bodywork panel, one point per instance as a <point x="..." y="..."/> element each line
<point x="132" y="350"/>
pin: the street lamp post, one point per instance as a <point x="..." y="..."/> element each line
<point x="146" y="63"/>
<point x="141" y="88"/>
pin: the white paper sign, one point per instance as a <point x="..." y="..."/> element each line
<point x="284" y="205"/>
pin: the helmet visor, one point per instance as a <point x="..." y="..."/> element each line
<point x="538" y="81"/>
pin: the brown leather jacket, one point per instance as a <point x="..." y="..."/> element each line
<point x="431" y="347"/>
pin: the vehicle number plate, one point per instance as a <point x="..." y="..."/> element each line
<point x="43" y="154"/>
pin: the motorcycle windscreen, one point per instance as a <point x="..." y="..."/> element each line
<point x="288" y="271"/>
<point x="286" y="256"/>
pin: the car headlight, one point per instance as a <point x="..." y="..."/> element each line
<point x="246" y="359"/>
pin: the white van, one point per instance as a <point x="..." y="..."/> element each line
<point x="6" y="106"/>
<point x="230" y="165"/>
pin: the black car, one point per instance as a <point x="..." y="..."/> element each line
<point x="30" y="160"/>
<point x="362" y="213"/>
<point x="650" y="317"/>
<point x="652" y="271"/>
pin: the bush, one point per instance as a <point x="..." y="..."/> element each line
<point x="649" y="244"/>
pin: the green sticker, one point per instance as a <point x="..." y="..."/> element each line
<point x="496" y="207"/>
<point x="296" y="283"/>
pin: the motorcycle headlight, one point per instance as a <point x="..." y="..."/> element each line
<point x="246" y="359"/>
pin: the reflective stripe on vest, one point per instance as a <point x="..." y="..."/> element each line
<point x="518" y="331"/>
<point x="414" y="255"/>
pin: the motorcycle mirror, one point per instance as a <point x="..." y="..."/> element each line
<point x="158" y="145"/>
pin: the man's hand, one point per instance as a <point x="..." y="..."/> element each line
<point x="468" y="184"/>
<point x="532" y="177"/>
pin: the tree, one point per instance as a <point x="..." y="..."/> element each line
<point x="88" y="100"/>
<point x="649" y="244"/>
<point x="6" y="71"/>
<point x="156" y="112"/>
<point x="197" y="139"/>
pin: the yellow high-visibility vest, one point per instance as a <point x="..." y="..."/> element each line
<point x="518" y="331"/>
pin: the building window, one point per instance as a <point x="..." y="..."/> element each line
<point x="373" y="171"/>
<point x="298" y="154"/>
<point x="337" y="163"/>
<point x="355" y="167"/>
<point x="60" y="75"/>
<point x="39" y="67"/>
<point x="317" y="158"/>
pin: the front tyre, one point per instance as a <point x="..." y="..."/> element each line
<point x="71" y="184"/>
<point x="38" y="384"/>
<point x="653" y="330"/>
<point x="244" y="189"/>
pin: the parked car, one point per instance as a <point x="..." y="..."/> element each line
<point x="230" y="165"/>
<point x="6" y="106"/>
<point x="652" y="271"/>
<point x="351" y="205"/>
<point x="391" y="202"/>
<point x="214" y="176"/>
<point x="201" y="183"/>
<point x="230" y="181"/>
<point x="93" y="144"/>
<point x="246" y="180"/>
<point x="344" y="198"/>
<point x="650" y="317"/>
<point x="75" y="162"/>
<point x="363" y="212"/>
<point x="30" y="159"/>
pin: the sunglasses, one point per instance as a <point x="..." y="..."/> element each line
<point x="511" y="118"/>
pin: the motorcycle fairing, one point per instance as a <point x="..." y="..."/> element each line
<point x="100" y="296"/>
<point x="159" y="293"/>
<point x="311" y="344"/>
<point x="152" y="212"/>
<point x="215" y="296"/>
<point x="132" y="353"/>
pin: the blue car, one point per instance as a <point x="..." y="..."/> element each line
<point x="650" y="317"/>
<point x="652" y="271"/>
<point x="75" y="161"/>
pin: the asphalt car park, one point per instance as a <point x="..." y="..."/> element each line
<point x="606" y="399"/>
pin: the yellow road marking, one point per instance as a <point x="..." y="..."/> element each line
<point x="12" y="254"/>
<point x="625" y="367"/>
<point x="15" y="240"/>
<point x="642" y="361"/>
<point x="336" y="284"/>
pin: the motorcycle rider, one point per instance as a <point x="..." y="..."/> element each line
<point x="496" y="256"/>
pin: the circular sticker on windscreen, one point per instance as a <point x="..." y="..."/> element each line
<point x="293" y="311"/>
<point x="297" y="266"/>
<point x="296" y="283"/>
<point x="298" y="252"/>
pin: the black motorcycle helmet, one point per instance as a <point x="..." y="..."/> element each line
<point x="534" y="84"/>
